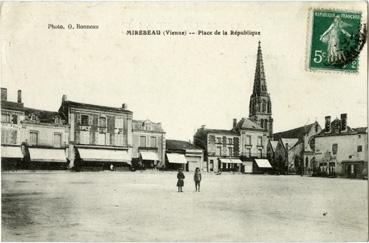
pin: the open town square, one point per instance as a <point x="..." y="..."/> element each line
<point x="145" y="206"/>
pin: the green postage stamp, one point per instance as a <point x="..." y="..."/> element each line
<point x="337" y="38"/>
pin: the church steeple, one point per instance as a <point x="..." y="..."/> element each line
<point x="259" y="80"/>
<point x="260" y="109"/>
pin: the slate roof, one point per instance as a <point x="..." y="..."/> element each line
<point x="92" y="106"/>
<point x="246" y="123"/>
<point x="43" y="115"/>
<point x="221" y="131"/>
<point x="298" y="132"/>
<point x="10" y="105"/>
<point x="172" y="144"/>
<point x="361" y="129"/>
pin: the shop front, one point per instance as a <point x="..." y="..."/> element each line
<point x="102" y="159"/>
<point x="176" y="161"/>
<point x="11" y="157"/>
<point x="47" y="158"/>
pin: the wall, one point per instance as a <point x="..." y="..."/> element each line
<point x="45" y="133"/>
<point x="254" y="140"/>
<point x="11" y="133"/>
<point x="116" y="132"/>
<point x="346" y="149"/>
<point x="160" y="143"/>
<point x="213" y="144"/>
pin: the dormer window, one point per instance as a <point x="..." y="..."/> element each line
<point x="147" y="126"/>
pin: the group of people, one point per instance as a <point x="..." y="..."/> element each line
<point x="196" y="178"/>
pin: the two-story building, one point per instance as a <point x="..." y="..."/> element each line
<point x="221" y="149"/>
<point x="32" y="138"/>
<point x="100" y="136"/>
<point x="148" y="144"/>
<point x="342" y="150"/>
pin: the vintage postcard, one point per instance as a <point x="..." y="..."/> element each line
<point x="184" y="121"/>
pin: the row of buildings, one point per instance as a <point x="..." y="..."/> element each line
<point x="251" y="146"/>
<point x="83" y="136"/>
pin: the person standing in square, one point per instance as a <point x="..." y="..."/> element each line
<point x="180" y="182"/>
<point x="197" y="179"/>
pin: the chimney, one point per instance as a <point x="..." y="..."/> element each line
<point x="19" y="96"/>
<point x="344" y="122"/>
<point x="202" y="126"/>
<point x="124" y="106"/>
<point x="64" y="98"/>
<point x="327" y="126"/>
<point x="234" y="122"/>
<point x="4" y="94"/>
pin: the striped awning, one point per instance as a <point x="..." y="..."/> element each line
<point x="176" y="158"/>
<point x="47" y="155"/>
<point x="11" y="152"/>
<point x="104" y="155"/>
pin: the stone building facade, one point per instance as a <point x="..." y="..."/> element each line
<point x="221" y="149"/>
<point x="342" y="150"/>
<point x="99" y="135"/>
<point x="303" y="150"/>
<point x="148" y="144"/>
<point x="32" y="138"/>
<point x="183" y="154"/>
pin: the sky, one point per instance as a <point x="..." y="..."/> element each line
<point x="181" y="81"/>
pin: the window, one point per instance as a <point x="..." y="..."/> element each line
<point x="84" y="120"/>
<point x="211" y="165"/>
<point x="84" y="137"/>
<point x="101" y="138"/>
<point x="153" y="142"/>
<point x="260" y="153"/>
<point x="219" y="140"/>
<point x="248" y="140"/>
<point x="219" y="151"/>
<point x="33" y="138"/>
<point x="359" y="136"/>
<point x="57" y="140"/>
<point x="248" y="152"/>
<point x="359" y="148"/>
<point x="230" y="141"/>
<point x="5" y="117"/>
<point x="102" y="122"/>
<point x="334" y="148"/>
<point x="260" y="141"/>
<point x="142" y="141"/>
<point x="262" y="123"/>
<point x="263" y="106"/>
<point x="230" y="151"/>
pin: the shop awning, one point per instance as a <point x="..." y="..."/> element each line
<point x="11" y="152"/>
<point x="47" y="155"/>
<point x="235" y="161"/>
<point x="225" y="160"/>
<point x="104" y="155"/>
<point x="263" y="163"/>
<point x="176" y="158"/>
<point x="148" y="155"/>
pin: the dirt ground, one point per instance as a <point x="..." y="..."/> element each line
<point x="145" y="206"/>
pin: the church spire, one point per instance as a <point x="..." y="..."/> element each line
<point x="260" y="107"/>
<point x="259" y="80"/>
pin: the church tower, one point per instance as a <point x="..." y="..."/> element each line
<point x="260" y="110"/>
